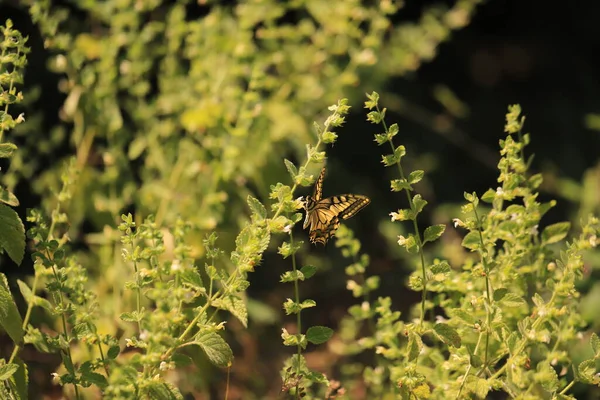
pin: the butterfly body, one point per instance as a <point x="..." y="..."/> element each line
<point x="323" y="214"/>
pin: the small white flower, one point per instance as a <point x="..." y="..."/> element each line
<point x="144" y="335"/>
<point x="164" y="366"/>
<point x="594" y="241"/>
<point x="534" y="230"/>
<point x="458" y="222"/>
<point x="175" y="266"/>
<point x="394" y="216"/>
<point x="287" y="228"/>
<point x="499" y="191"/>
<point x="401" y="240"/>
<point x="365" y="306"/>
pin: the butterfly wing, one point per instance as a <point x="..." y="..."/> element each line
<point x="324" y="219"/>
<point x="318" y="191"/>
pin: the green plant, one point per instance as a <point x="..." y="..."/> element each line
<point x="504" y="320"/>
<point x="13" y="58"/>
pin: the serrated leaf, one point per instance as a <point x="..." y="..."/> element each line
<point x="318" y="334"/>
<point x="433" y="232"/>
<point x="192" y="278"/>
<point x="160" y="390"/>
<point x="7" y="370"/>
<point x="472" y="241"/>
<point x="414" y="346"/>
<point x="129" y="317"/>
<point x="547" y="376"/>
<point x="21" y="380"/>
<point x="447" y="334"/>
<point x="587" y="370"/>
<point x="216" y="349"/>
<point x="467" y="317"/>
<point x="235" y="306"/>
<point x="415" y="176"/>
<point x="480" y="387"/>
<point x="12" y="234"/>
<point x="95" y="379"/>
<point x="595" y="342"/>
<point x="10" y="319"/>
<point x="291" y="168"/>
<point x="257" y="208"/>
<point x="7" y="150"/>
<point x="8" y="197"/>
<point x="555" y="232"/>
<point x="308" y="271"/>
<point x="512" y="300"/>
<point x="422" y="391"/>
<point x="398" y="185"/>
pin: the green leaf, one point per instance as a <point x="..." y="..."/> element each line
<point x="95" y="378"/>
<point x="489" y="196"/>
<point x="216" y="349"/>
<point x="113" y="352"/>
<point x="21" y="379"/>
<point x="308" y="271"/>
<point x="546" y="376"/>
<point x="418" y="203"/>
<point x="555" y="232"/>
<point x="160" y="390"/>
<point x="535" y="181"/>
<point x="8" y="198"/>
<point x="475" y="360"/>
<point x="291" y="168"/>
<point x="12" y="234"/>
<point x="7" y="370"/>
<point x="414" y="346"/>
<point x="500" y="293"/>
<point x="7" y="150"/>
<point x="467" y="317"/>
<point x="595" y="342"/>
<point x="235" y="306"/>
<point x="433" y="232"/>
<point x="415" y="176"/>
<point x="318" y="334"/>
<point x="308" y="303"/>
<point x="447" y="334"/>
<point x="192" y="278"/>
<point x="587" y="370"/>
<point x="257" y="208"/>
<point x="398" y="185"/>
<point x="10" y="319"/>
<point x="479" y="386"/>
<point x="472" y="241"/>
<point x="512" y="300"/>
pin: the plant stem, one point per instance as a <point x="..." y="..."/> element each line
<point x="298" y="317"/>
<point x="487" y="287"/>
<point x="415" y="227"/>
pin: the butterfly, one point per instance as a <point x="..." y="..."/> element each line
<point x="323" y="215"/>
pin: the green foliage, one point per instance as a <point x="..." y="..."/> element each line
<point x="174" y="118"/>
<point x="13" y="58"/>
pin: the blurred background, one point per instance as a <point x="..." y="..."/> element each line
<point x="182" y="108"/>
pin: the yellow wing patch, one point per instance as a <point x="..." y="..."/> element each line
<point x="323" y="215"/>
